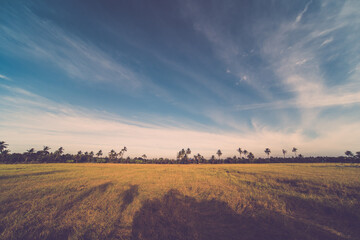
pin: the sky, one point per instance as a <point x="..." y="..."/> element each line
<point x="159" y="76"/>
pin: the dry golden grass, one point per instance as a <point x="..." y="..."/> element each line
<point x="116" y="201"/>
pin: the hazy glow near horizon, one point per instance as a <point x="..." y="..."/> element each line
<point x="156" y="78"/>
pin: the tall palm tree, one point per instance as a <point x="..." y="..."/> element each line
<point x="78" y="156"/>
<point x="112" y="154"/>
<point x="99" y="153"/>
<point x="178" y="156"/>
<point x="28" y="154"/>
<point x="219" y="153"/>
<point x="294" y="150"/>
<point x="46" y="150"/>
<point x="122" y="151"/>
<point x="188" y="151"/>
<point x="245" y="152"/>
<point x="60" y="150"/>
<point x="268" y="151"/>
<point x="240" y="151"/>
<point x="182" y="153"/>
<point x="251" y="156"/>
<point x="284" y="152"/>
<point x="3" y="146"/>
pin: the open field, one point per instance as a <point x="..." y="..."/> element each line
<point x="117" y="201"/>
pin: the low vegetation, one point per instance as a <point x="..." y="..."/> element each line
<point x="121" y="201"/>
<point x="182" y="157"/>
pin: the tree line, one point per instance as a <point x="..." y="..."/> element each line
<point x="182" y="157"/>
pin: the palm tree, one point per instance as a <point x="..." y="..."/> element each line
<point x="267" y="151"/>
<point x="294" y="150"/>
<point x="240" y="151"/>
<point x="245" y="152"/>
<point x="60" y="150"/>
<point x="30" y="151"/>
<point x="284" y="152"/>
<point x="178" y="156"/>
<point x="122" y="151"/>
<point x="112" y="154"/>
<point x="91" y="154"/>
<point x="183" y="153"/>
<point x="78" y="156"/>
<point x="188" y="151"/>
<point x="251" y="156"/>
<point x="144" y="156"/>
<point x="99" y="153"/>
<point x="349" y="153"/>
<point x="3" y="146"/>
<point x="45" y="150"/>
<point x="219" y="153"/>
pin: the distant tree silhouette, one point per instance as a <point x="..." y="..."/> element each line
<point x="78" y="156"/>
<point x="268" y="151"/>
<point x="239" y="151"/>
<point x="45" y="150"/>
<point x="358" y="154"/>
<point x="28" y="154"/>
<point x="124" y="150"/>
<point x="3" y="146"/>
<point x="219" y="153"/>
<point x="188" y="151"/>
<point x="251" y="156"/>
<point x="178" y="156"/>
<point x="284" y="152"/>
<point x="349" y="153"/>
<point x="121" y="153"/>
<point x="99" y="153"/>
<point x="144" y="156"/>
<point x="245" y="152"/>
<point x="30" y="151"/>
<point x="5" y="152"/>
<point x="59" y="151"/>
<point x="294" y="150"/>
<point x="112" y="155"/>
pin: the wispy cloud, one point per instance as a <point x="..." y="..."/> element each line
<point x="299" y="17"/>
<point x="5" y="77"/>
<point x="225" y="47"/>
<point x="34" y="37"/>
<point x="327" y="41"/>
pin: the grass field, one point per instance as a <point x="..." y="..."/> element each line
<point x="116" y="201"/>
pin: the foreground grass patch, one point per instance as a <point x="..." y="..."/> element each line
<point x="115" y="201"/>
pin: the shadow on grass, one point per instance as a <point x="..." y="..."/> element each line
<point x="332" y="216"/>
<point x="176" y="216"/>
<point x="100" y="189"/>
<point x="126" y="198"/>
<point x="31" y="174"/>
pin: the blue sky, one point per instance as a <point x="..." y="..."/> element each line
<point x="158" y="76"/>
